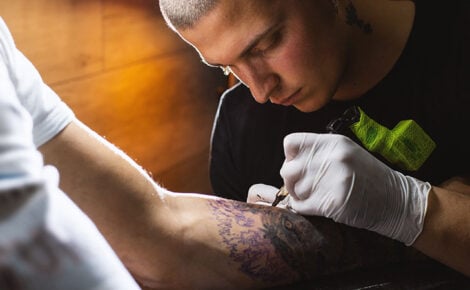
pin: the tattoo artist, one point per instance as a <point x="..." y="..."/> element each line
<point x="390" y="80"/>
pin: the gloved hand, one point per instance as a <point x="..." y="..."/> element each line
<point x="330" y="175"/>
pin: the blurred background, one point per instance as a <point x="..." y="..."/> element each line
<point x="128" y="77"/>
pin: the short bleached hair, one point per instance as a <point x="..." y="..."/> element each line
<point x="184" y="14"/>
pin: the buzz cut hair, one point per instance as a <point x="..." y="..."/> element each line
<point x="184" y="14"/>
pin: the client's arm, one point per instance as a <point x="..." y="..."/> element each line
<point x="228" y="244"/>
<point x="188" y="241"/>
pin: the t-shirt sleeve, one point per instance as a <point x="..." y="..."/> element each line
<point x="49" y="113"/>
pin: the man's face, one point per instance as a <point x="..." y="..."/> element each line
<point x="289" y="52"/>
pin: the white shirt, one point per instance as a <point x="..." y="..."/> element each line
<point x="46" y="241"/>
<point x="50" y="115"/>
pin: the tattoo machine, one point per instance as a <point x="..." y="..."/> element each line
<point x="280" y="196"/>
<point x="407" y="145"/>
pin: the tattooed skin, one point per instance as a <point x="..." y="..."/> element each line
<point x="276" y="246"/>
<point x="271" y="245"/>
<point x="352" y="19"/>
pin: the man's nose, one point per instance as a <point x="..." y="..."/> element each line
<point x="261" y="81"/>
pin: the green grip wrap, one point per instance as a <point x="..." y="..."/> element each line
<point x="406" y="145"/>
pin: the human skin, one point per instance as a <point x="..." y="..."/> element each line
<point x="180" y="241"/>
<point x="309" y="52"/>
<point x="270" y="246"/>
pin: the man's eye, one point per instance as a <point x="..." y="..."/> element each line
<point x="268" y="44"/>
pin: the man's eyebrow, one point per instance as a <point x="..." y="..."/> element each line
<point x="250" y="45"/>
<point x="257" y="39"/>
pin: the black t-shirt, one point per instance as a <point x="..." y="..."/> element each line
<point x="430" y="84"/>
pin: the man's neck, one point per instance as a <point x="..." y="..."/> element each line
<point x="379" y="32"/>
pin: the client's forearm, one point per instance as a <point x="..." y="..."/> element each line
<point x="224" y="244"/>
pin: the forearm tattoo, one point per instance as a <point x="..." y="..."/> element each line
<point x="276" y="246"/>
<point x="270" y="245"/>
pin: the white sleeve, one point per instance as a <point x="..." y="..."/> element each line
<point x="46" y="241"/>
<point x="50" y="115"/>
<point x="20" y="162"/>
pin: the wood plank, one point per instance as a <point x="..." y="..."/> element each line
<point x="62" y="38"/>
<point x="135" y="30"/>
<point x="160" y="112"/>
<point x="192" y="175"/>
<point x="128" y="76"/>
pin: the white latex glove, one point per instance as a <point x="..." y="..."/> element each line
<point x="330" y="175"/>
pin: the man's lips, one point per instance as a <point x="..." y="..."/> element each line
<point x="289" y="100"/>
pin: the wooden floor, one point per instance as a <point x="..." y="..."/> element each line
<point x="127" y="76"/>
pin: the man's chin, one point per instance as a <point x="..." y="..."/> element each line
<point x="308" y="108"/>
<point x="311" y="103"/>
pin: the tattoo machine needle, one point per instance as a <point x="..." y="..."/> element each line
<point x="280" y="196"/>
